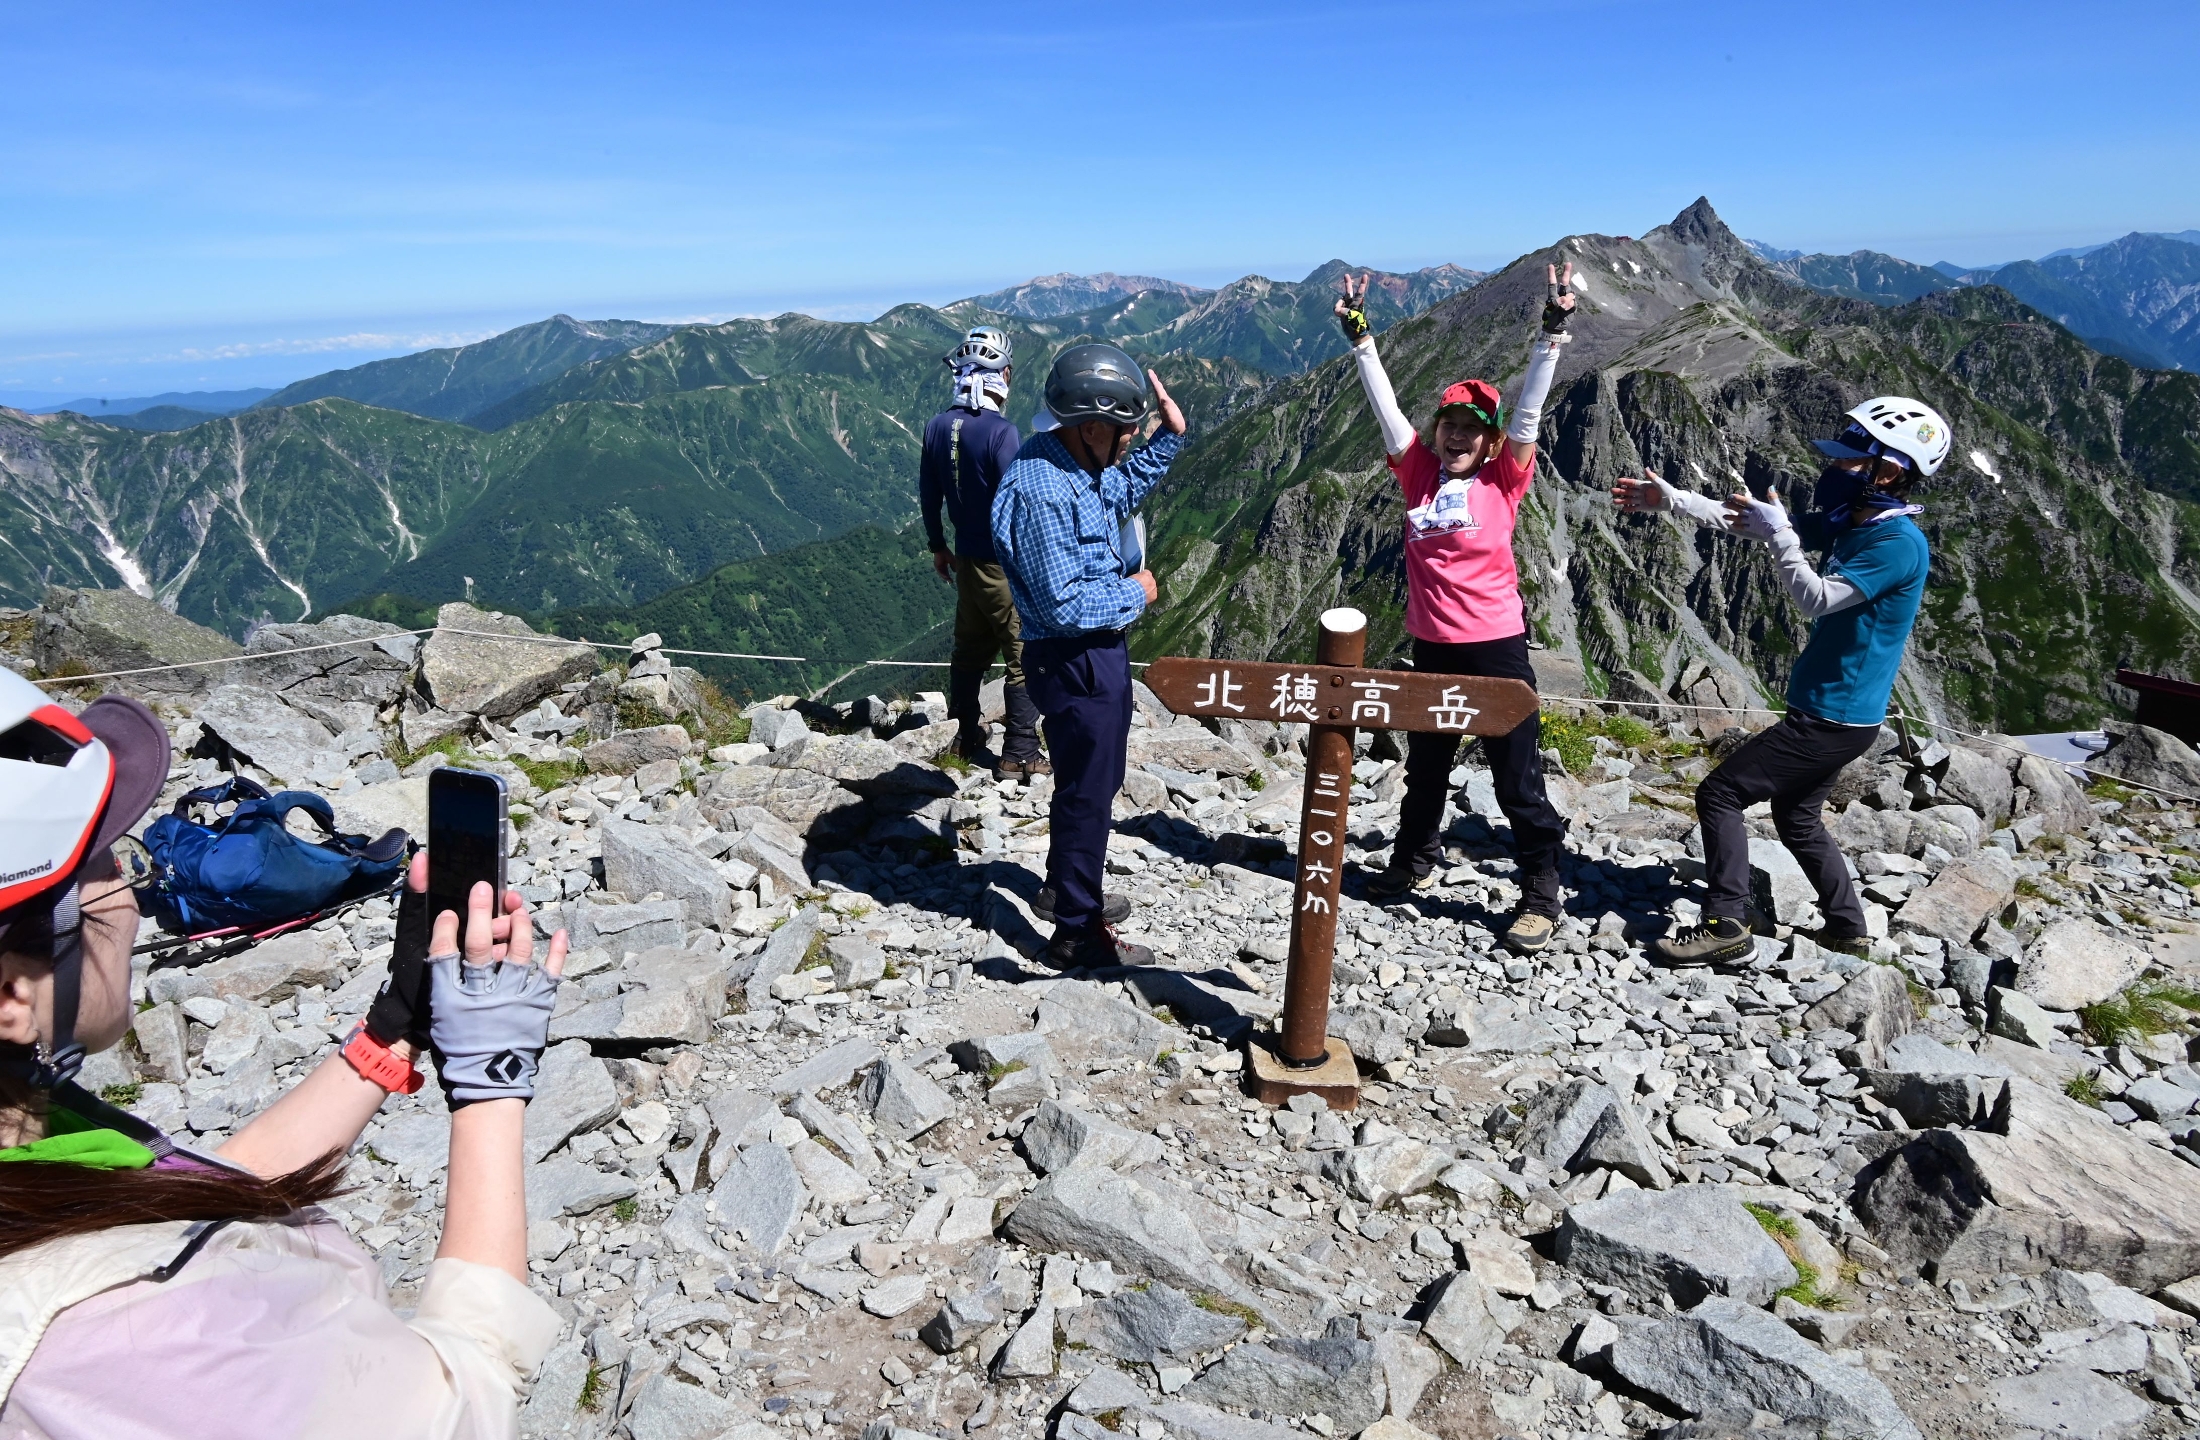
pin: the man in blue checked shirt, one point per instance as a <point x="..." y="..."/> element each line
<point x="1058" y="524"/>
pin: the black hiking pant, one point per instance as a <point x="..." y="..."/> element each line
<point x="1516" y="774"/>
<point x="1793" y="765"/>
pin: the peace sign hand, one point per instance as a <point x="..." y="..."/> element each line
<point x="1558" y="298"/>
<point x="1351" y="310"/>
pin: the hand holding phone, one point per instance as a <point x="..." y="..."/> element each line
<point x="468" y="812"/>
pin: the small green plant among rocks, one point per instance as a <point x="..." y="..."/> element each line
<point x="2147" y="1009"/>
<point x="1784" y="1230"/>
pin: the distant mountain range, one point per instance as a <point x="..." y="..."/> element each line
<point x="2137" y="297"/>
<point x="1050" y="296"/>
<point x="202" y="402"/>
<point x="574" y="464"/>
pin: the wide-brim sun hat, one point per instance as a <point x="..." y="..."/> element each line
<point x="70" y="785"/>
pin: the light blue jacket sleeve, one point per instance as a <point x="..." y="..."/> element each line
<point x="1144" y="467"/>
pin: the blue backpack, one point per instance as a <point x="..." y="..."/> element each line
<point x="246" y="870"/>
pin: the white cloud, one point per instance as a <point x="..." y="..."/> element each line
<point x="321" y="345"/>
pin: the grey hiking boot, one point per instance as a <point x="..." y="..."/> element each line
<point x="1114" y="909"/>
<point x="1717" y="941"/>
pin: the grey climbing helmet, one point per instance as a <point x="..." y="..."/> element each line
<point x="1097" y="382"/>
<point x="987" y="347"/>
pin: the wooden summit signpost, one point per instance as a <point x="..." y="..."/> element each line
<point x="1334" y="697"/>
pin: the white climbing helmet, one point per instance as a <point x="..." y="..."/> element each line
<point x="1910" y="428"/>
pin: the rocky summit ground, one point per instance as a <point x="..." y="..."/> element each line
<point x="819" y="1148"/>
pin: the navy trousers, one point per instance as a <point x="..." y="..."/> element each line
<point x="1082" y="686"/>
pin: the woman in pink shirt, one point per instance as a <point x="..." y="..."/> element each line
<point x="1463" y="489"/>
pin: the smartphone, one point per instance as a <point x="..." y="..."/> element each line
<point x="467" y="811"/>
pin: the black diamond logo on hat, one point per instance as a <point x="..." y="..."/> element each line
<point x="505" y="1068"/>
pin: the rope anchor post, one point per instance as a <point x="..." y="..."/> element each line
<point x="1334" y="697"/>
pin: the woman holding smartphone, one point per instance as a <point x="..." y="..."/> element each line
<point x="149" y="1290"/>
<point x="1463" y="487"/>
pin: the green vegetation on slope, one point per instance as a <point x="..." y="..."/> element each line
<point x="865" y="595"/>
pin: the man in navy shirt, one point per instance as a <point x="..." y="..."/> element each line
<point x="1864" y="606"/>
<point x="968" y="447"/>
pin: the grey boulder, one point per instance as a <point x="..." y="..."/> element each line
<point x="1150" y="1325"/>
<point x="1583" y="1125"/>
<point x="1469" y="1319"/>
<point x="1083" y="1022"/>
<point x="2076" y="963"/>
<point x="2059" y="1186"/>
<point x="903" y="1101"/>
<point x="643" y="860"/>
<point x="573" y="1092"/>
<point x="1725" y="1354"/>
<point x="1113" y="1217"/>
<point x="1334" y="1376"/>
<point x="564" y="1186"/>
<point x="1962" y="897"/>
<point x="783" y="954"/>
<point x="1687" y="1243"/>
<point x="761" y="1196"/>
<point x="256" y="726"/>
<point x="1060" y="1136"/>
<point x="496" y="677"/>
<point x="2146" y="756"/>
<point x="91" y="632"/>
<point x="629" y="750"/>
<point x="1874" y="1006"/>
<point x="966" y="1315"/>
<point x="2068" y="1400"/>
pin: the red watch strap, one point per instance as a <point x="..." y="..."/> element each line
<point x="379" y="1063"/>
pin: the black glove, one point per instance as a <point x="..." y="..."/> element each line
<point x="400" y="1010"/>
<point x="1555" y="314"/>
<point x="1353" y="321"/>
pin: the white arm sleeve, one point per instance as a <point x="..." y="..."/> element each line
<point x="1535" y="388"/>
<point x="1397" y="432"/>
<point x="1700" y="508"/>
<point x="1814" y="594"/>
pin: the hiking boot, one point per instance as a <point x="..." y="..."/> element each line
<point x="1529" y="932"/>
<point x="1396" y="881"/>
<point x="1114" y="909"/>
<point x="1716" y="941"/>
<point x="1859" y="946"/>
<point x="1012" y="767"/>
<point x="1091" y="948"/>
<point x="970" y="745"/>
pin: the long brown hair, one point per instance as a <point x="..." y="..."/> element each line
<point x="47" y="1200"/>
<point x="42" y="1200"/>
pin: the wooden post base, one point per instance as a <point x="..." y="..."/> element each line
<point x="1336" y="1079"/>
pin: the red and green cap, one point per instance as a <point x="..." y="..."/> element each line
<point x="1478" y="398"/>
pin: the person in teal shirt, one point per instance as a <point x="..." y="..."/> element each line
<point x="1863" y="606"/>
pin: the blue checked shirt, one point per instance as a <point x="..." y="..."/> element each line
<point x="1055" y="529"/>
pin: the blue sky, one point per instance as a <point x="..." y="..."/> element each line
<point x="219" y="196"/>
